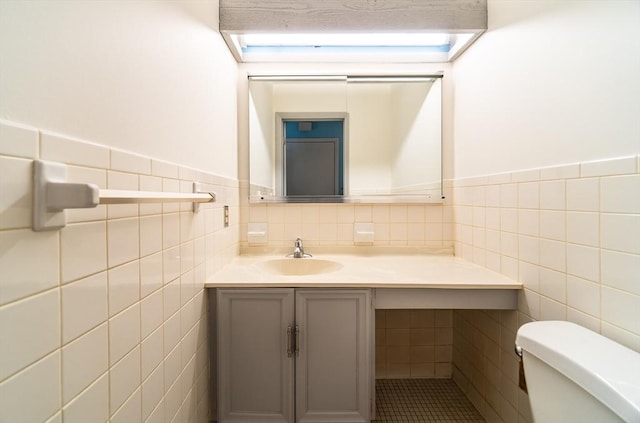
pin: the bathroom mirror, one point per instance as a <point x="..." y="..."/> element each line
<point x="345" y="139"/>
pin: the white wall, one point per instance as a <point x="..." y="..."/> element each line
<point x="550" y="82"/>
<point x="106" y="319"/>
<point x="370" y="132"/>
<point x="417" y="112"/>
<point x="293" y="97"/>
<point x="261" y="128"/>
<point x="541" y="100"/>
<point x="150" y="77"/>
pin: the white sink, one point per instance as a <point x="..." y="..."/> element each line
<point x="299" y="266"/>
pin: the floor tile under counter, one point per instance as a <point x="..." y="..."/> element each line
<point x="422" y="401"/>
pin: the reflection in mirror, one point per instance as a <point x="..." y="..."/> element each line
<point x="313" y="157"/>
<point x="345" y="139"/>
<point x="395" y="137"/>
<point x="274" y="107"/>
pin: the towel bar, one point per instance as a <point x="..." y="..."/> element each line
<point x="52" y="195"/>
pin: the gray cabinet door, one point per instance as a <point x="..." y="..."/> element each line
<point x="333" y="367"/>
<point x="255" y="373"/>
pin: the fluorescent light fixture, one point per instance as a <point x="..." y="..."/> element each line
<point x="371" y="31"/>
<point x="344" y="40"/>
<point x="349" y="47"/>
<point x="298" y="78"/>
<point x="390" y="79"/>
<point x="348" y="78"/>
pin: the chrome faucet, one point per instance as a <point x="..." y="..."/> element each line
<point x="298" y="250"/>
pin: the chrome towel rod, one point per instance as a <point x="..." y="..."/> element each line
<point x="114" y="196"/>
<point x="52" y="195"/>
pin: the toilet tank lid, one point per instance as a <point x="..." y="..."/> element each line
<point x="607" y="370"/>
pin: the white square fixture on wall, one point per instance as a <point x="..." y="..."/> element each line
<point x="363" y="233"/>
<point x="257" y="233"/>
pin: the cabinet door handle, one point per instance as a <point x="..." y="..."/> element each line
<point x="289" y="333"/>
<point x="297" y="340"/>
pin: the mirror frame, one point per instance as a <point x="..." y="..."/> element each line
<point x="278" y="121"/>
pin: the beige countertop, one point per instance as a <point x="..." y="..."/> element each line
<point x="362" y="269"/>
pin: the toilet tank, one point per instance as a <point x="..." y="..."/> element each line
<point x="576" y="375"/>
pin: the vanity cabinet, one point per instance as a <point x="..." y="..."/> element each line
<point x="294" y="355"/>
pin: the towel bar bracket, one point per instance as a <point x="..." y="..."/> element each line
<point x="45" y="175"/>
<point x="52" y="195"/>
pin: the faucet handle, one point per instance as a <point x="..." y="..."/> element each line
<point x="298" y="251"/>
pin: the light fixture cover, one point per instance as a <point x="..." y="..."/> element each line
<point x="343" y="40"/>
<point x="366" y="31"/>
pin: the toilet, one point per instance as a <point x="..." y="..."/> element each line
<point x="576" y="375"/>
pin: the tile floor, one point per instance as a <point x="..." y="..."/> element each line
<point x="422" y="400"/>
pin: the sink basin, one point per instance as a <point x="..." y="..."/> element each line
<point x="301" y="266"/>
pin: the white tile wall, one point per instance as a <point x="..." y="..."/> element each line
<point x="91" y="405"/>
<point x="171" y="367"/>
<point x="552" y="284"/>
<point x="83" y="361"/>
<point x="122" y="241"/>
<point x="164" y="169"/>
<point x="120" y="291"/>
<point x="171" y="264"/>
<point x="621" y="194"/>
<point x="83" y="250"/>
<point x="333" y="224"/>
<point x="583" y="261"/>
<point x="18" y="140"/>
<point x="124" y="161"/>
<point x="553" y="255"/>
<point x="55" y="147"/>
<point x="583" y="295"/>
<point x="21" y="275"/>
<point x="131" y="411"/>
<point x="37" y="335"/>
<point x="573" y="239"/>
<point x="152" y="391"/>
<point x="621" y="270"/>
<point x="124" y="378"/>
<point x="124" y="333"/>
<point x="583" y="194"/>
<point x="583" y="228"/>
<point x="553" y="224"/>
<point x="553" y="195"/>
<point x="620" y="232"/>
<point x="84" y="305"/>
<point x="151" y="314"/>
<point x="15" y="193"/>
<point x="84" y="310"/>
<point x="621" y="309"/>
<point x="151" y="274"/>
<point x="617" y="166"/>
<point x="33" y="395"/>
<point x="152" y="352"/>
<point x="124" y="286"/>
